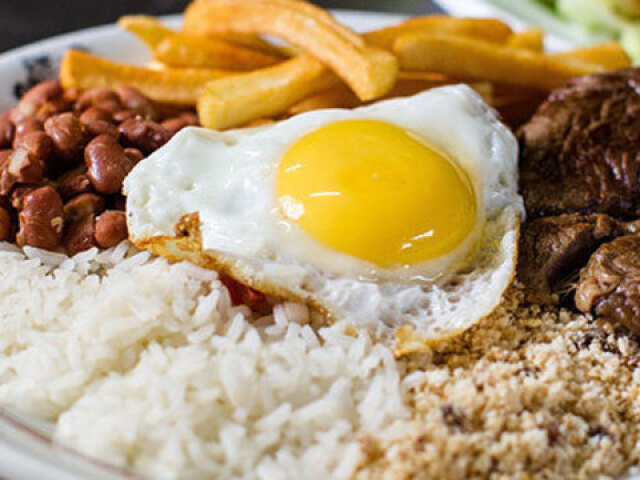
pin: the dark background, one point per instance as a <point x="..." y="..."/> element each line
<point x="24" y="21"/>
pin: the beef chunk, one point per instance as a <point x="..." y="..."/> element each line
<point x="580" y="152"/>
<point x="609" y="286"/>
<point x="553" y="249"/>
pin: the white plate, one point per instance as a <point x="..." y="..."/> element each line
<point x="26" y="449"/>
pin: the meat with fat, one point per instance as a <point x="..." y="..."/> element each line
<point x="553" y="249"/>
<point x="609" y="286"/>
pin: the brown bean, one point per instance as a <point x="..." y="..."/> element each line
<point x="16" y="117"/>
<point x="107" y="164"/>
<point x="132" y="99"/>
<point x="95" y="113"/>
<point x="83" y="205"/>
<point x="79" y="235"/>
<point x="124" y="115"/>
<point x="110" y="106"/>
<point x="168" y="110"/>
<point x="134" y="154"/>
<point x="94" y="96"/>
<point x="25" y="167"/>
<point x="41" y="219"/>
<point x="26" y="127"/>
<point x="50" y="108"/>
<point x="190" y="117"/>
<point x="18" y="193"/>
<point x="111" y="229"/>
<point x="6" y="225"/>
<point x="37" y="96"/>
<point x="145" y="135"/>
<point x="174" y="125"/>
<point x="68" y="136"/>
<point x="73" y="182"/>
<point x="7" y="130"/>
<point x="71" y="96"/>
<point x="7" y="181"/>
<point x="37" y="143"/>
<point x="100" y="127"/>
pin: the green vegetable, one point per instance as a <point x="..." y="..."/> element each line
<point x="630" y="40"/>
<point x="537" y="13"/>
<point x="548" y="3"/>
<point x="592" y="14"/>
<point x="582" y="21"/>
<point x="598" y="16"/>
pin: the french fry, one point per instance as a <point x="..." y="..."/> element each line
<point x="473" y="59"/>
<point x="152" y="32"/>
<point x="532" y="40"/>
<point x="268" y="92"/>
<point x="81" y="70"/>
<point x="369" y="71"/>
<point x="148" y="29"/>
<point x="408" y="83"/>
<point x="488" y="29"/>
<point x="610" y="55"/>
<point x="180" y="50"/>
<point x="340" y="96"/>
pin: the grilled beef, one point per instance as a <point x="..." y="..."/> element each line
<point x="553" y="249"/>
<point x="580" y="178"/>
<point x="580" y="152"/>
<point x="610" y="284"/>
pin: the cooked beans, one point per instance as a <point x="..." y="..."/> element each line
<point x="132" y="99"/>
<point x="25" y="127"/>
<point x="107" y="164"/>
<point x="95" y="96"/>
<point x="145" y="135"/>
<point x="68" y="136"/>
<point x="82" y="205"/>
<point x="93" y="114"/>
<point x="35" y="98"/>
<point x="111" y="228"/>
<point x="25" y="167"/>
<point x="101" y="127"/>
<point x="79" y="235"/>
<point x="174" y="125"/>
<point x="41" y="219"/>
<point x="6" y="226"/>
<point x="7" y="131"/>
<point x="73" y="183"/>
<point x="49" y="197"/>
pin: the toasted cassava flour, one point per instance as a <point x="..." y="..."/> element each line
<point x="530" y="394"/>
<point x="148" y="365"/>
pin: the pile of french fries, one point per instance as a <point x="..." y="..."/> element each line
<point x="225" y="63"/>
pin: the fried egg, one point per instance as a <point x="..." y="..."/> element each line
<point x="404" y="213"/>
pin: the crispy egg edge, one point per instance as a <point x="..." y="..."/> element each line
<point x="186" y="245"/>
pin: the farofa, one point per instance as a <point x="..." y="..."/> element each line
<point x="530" y="394"/>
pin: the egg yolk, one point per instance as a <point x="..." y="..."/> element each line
<point x="377" y="192"/>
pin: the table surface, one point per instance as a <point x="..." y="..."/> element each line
<point x="24" y="21"/>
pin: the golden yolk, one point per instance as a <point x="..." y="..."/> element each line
<point x="376" y="192"/>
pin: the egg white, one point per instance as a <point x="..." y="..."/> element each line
<point x="229" y="180"/>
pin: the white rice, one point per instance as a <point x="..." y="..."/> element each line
<point x="147" y="365"/>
